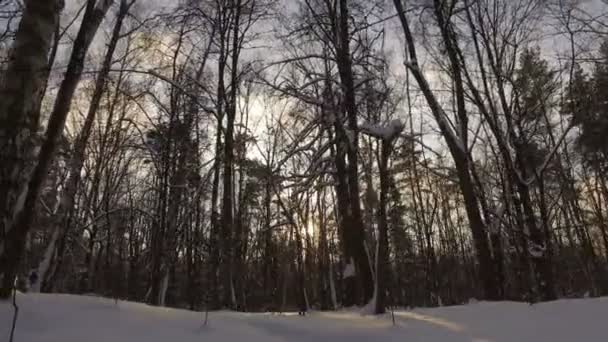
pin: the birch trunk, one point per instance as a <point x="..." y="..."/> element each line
<point x="92" y="19"/>
<point x="21" y="91"/>
<point x="78" y="152"/>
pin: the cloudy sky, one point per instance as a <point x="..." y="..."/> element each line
<point x="553" y="45"/>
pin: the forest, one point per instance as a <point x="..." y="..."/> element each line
<point x="280" y="155"/>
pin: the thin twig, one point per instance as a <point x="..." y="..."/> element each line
<point x="16" y="307"/>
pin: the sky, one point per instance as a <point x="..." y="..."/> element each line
<point x="553" y="46"/>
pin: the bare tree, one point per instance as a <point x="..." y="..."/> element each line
<point x="22" y="87"/>
<point x="93" y="16"/>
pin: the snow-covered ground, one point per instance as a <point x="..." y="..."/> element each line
<point x="65" y="318"/>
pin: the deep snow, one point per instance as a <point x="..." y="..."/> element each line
<point x="66" y="318"/>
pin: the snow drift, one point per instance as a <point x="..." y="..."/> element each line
<point x="66" y="318"/>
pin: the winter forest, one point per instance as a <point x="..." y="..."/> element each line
<point x="281" y="155"/>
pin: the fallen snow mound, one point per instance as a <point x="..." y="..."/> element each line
<point x="66" y="318"/>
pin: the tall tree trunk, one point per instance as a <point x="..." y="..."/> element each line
<point x="382" y="262"/>
<point x="21" y="90"/>
<point x="323" y="255"/>
<point x="228" y="181"/>
<point x="214" y="233"/>
<point x="93" y="17"/>
<point x="78" y="156"/>
<point x="355" y="232"/>
<point x="459" y="152"/>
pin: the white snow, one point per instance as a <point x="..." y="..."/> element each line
<point x="163" y="288"/>
<point x="350" y="135"/>
<point x="536" y="251"/>
<point x="385" y="132"/>
<point x="44" y="265"/>
<point x="349" y="269"/>
<point x="67" y="318"/>
<point x="332" y="286"/>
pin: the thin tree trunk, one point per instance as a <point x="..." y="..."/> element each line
<point x="382" y="263"/>
<point x="78" y="152"/>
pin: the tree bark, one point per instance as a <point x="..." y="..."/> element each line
<point x="21" y="91"/>
<point x="355" y="231"/>
<point x="458" y="150"/>
<point x="93" y="17"/>
<point x="382" y="262"/>
<point x="78" y="156"/>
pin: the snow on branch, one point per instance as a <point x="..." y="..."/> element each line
<point x="384" y="132"/>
